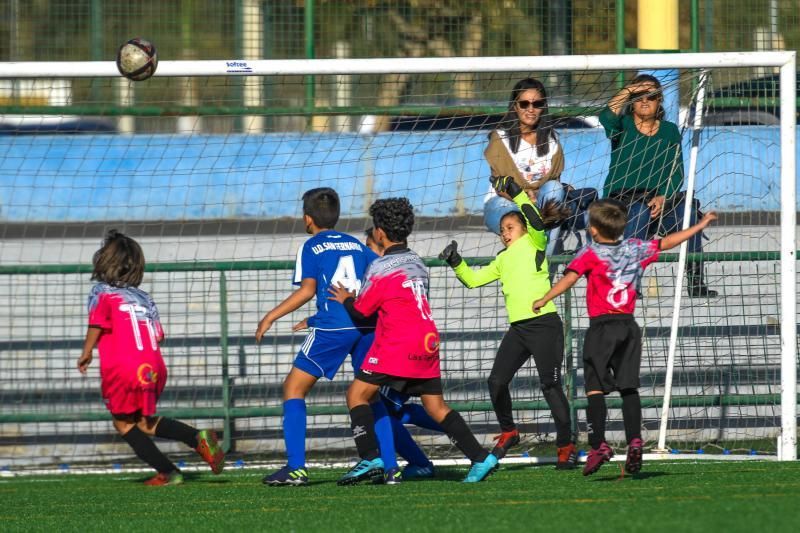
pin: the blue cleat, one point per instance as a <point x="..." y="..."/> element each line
<point x="482" y="470"/>
<point x="419" y="472"/>
<point x="363" y="470"/>
<point x="393" y="476"/>
<point x="287" y="476"/>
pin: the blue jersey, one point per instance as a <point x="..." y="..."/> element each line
<point x="331" y="257"/>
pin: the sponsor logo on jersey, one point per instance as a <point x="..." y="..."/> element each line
<point x="146" y="374"/>
<point x="373" y="360"/>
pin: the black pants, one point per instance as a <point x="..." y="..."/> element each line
<point x="543" y="338"/>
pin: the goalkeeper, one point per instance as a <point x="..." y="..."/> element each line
<point x="523" y="273"/>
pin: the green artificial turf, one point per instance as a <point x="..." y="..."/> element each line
<point x="666" y="496"/>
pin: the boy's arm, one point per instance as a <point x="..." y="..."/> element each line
<point x="569" y="279"/>
<point x="92" y="335"/>
<point x="348" y="300"/>
<point x="470" y="278"/>
<point x="674" y="239"/>
<point x="307" y="290"/>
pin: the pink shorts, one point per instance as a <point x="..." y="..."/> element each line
<point x="130" y="389"/>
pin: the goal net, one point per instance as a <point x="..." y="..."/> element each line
<point x="205" y="164"/>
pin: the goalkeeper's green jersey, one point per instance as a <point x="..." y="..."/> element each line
<point x="521" y="268"/>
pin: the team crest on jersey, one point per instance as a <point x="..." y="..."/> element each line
<point x="431" y="342"/>
<point x="146" y="374"/>
<point x="373" y="360"/>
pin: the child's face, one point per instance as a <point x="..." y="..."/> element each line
<point x="510" y="230"/>
<point x="372" y="245"/>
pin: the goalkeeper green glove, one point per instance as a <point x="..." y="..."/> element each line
<point x="505" y="184"/>
<point x="450" y="254"/>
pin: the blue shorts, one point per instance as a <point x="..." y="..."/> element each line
<point x="324" y="350"/>
<point x="393" y="400"/>
<point x="361" y="349"/>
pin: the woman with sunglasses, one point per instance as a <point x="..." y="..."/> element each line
<point x="526" y="148"/>
<point x="646" y="171"/>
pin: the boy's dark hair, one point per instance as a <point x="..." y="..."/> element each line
<point x="322" y="205"/>
<point x="395" y="216"/>
<point x="609" y="218"/>
<point x="368" y="232"/>
<point x="119" y="261"/>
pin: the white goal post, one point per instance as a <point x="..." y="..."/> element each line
<point x="784" y="61"/>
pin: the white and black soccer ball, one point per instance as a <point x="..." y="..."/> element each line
<point x="137" y="59"/>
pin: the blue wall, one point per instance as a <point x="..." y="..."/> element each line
<point x="172" y="177"/>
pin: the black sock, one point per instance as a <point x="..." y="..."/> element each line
<point x="362" y="422"/>
<point x="146" y="450"/>
<point x="631" y="413"/>
<point x="169" y="428"/>
<point x="559" y="407"/>
<point x="462" y="437"/>
<point x="596" y="419"/>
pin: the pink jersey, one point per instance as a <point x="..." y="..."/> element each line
<point x="406" y="341"/>
<point x="132" y="370"/>
<point x="614" y="274"/>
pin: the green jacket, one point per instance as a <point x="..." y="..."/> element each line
<point x="521" y="268"/>
<point x="647" y="163"/>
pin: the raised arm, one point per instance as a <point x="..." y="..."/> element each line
<point x="468" y="277"/>
<point x="674" y="239"/>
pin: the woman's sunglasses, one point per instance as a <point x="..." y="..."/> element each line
<point x="537" y="104"/>
<point x="646" y="95"/>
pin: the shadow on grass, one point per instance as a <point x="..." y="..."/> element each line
<point x="640" y="476"/>
<point x="188" y="477"/>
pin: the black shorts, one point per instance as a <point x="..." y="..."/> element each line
<point x="612" y="353"/>
<point x="410" y="386"/>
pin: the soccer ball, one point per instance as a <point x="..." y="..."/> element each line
<point x="137" y="59"/>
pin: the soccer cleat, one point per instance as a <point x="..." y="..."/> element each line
<point x="209" y="449"/>
<point x="567" y="457"/>
<point x="597" y="457"/>
<point x="287" y="476"/>
<point x="633" y="463"/>
<point x="364" y="469"/>
<point x="161" y="479"/>
<point x="482" y="470"/>
<point x="419" y="472"/>
<point x="505" y="441"/>
<point x="393" y="476"/>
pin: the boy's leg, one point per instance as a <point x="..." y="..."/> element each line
<point x="632" y="417"/>
<point x="596" y="413"/>
<point x="204" y="442"/>
<point x="385" y="436"/>
<point x="455" y="427"/>
<point x="415" y="414"/>
<point x="296" y="387"/>
<point x="483" y="462"/>
<point x="146" y="450"/>
<point x="407" y="447"/>
<point x="362" y="422"/>
<point x="171" y="429"/>
<point x="601" y="452"/>
<point x="511" y="355"/>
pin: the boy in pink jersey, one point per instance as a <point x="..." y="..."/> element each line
<point x="125" y="326"/>
<point x="612" y="348"/>
<point x="405" y="353"/>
